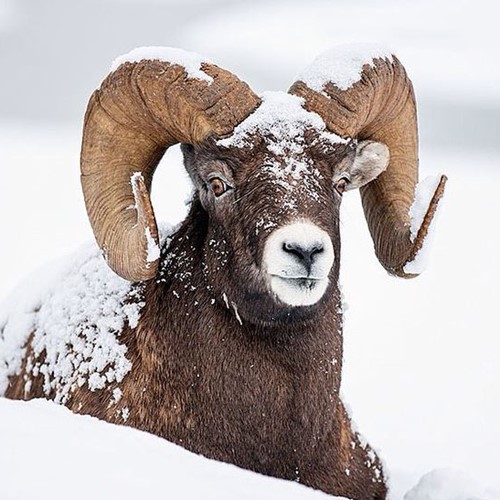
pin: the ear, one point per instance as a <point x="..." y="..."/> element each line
<point x="370" y="161"/>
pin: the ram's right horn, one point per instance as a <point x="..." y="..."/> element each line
<point x="153" y="98"/>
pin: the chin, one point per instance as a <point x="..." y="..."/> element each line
<point x="298" y="301"/>
<point x="298" y="292"/>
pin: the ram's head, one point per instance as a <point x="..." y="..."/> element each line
<point x="269" y="171"/>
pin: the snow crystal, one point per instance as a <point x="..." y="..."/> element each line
<point x="190" y="61"/>
<point x="294" y="173"/>
<point x="449" y="484"/>
<point x="342" y="65"/>
<point x="116" y="396"/>
<point x="423" y="195"/>
<point x="281" y="120"/>
<point x="125" y="413"/>
<point x="264" y="224"/>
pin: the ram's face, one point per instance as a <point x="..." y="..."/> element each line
<point x="272" y="249"/>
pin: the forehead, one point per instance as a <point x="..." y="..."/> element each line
<point x="287" y="154"/>
<point x="284" y="143"/>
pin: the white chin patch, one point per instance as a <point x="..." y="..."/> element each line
<point x="298" y="292"/>
<point x="298" y="258"/>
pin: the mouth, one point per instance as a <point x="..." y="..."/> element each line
<point x="299" y="281"/>
<point x="298" y="290"/>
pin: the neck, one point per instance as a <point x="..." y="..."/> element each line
<point x="272" y="389"/>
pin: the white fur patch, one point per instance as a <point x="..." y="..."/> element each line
<point x="289" y="279"/>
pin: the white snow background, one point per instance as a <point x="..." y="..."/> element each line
<point x="421" y="369"/>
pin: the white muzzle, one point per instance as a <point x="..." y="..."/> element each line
<point x="298" y="258"/>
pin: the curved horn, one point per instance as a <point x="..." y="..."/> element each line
<point x="152" y="99"/>
<point x="365" y="93"/>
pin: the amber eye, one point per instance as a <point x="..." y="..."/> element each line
<point x="341" y="185"/>
<point x="218" y="186"/>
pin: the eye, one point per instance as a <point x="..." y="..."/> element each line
<point x="341" y="185"/>
<point x="218" y="186"/>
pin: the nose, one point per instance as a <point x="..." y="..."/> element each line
<point x="298" y="258"/>
<point x="299" y="250"/>
<point x="304" y="253"/>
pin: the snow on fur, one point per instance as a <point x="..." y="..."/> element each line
<point x="342" y="65"/>
<point x="190" y="61"/>
<point x="423" y="195"/>
<point x="75" y="310"/>
<point x="372" y="453"/>
<point x="281" y="121"/>
<point x="75" y="328"/>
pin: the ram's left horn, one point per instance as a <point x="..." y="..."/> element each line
<point x="365" y="93"/>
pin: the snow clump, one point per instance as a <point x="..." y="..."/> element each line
<point x="342" y="66"/>
<point x="190" y="61"/>
<point x="424" y="193"/>
<point x="281" y="121"/>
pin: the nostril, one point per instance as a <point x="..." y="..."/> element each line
<point x="293" y="249"/>
<point x="305" y="254"/>
<point x="317" y="249"/>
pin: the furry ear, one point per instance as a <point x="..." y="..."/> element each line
<point x="370" y="161"/>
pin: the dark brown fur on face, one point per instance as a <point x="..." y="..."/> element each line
<point x="221" y="367"/>
<point x="243" y="218"/>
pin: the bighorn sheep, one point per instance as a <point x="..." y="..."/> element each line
<point x="228" y="338"/>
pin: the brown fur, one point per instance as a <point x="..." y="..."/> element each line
<point x="263" y="394"/>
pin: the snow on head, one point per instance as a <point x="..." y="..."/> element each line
<point x="281" y="121"/>
<point x="75" y="327"/>
<point x="342" y="66"/>
<point x="424" y="193"/>
<point x="190" y="61"/>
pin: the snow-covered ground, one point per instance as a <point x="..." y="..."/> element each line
<point x="421" y="369"/>
<point x="47" y="453"/>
